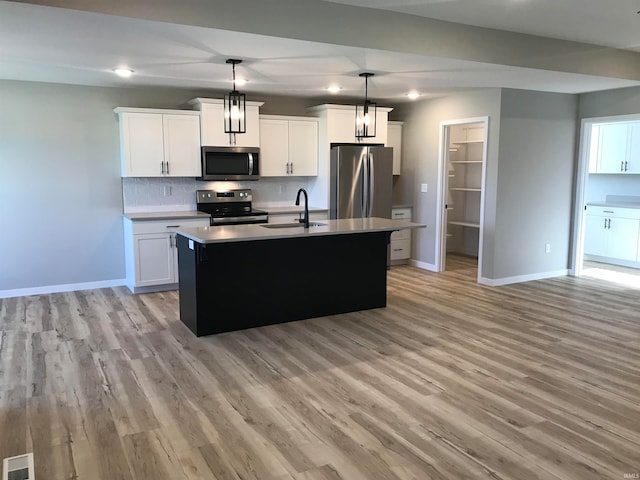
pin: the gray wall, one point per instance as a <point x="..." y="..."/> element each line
<point x="535" y="182"/>
<point x="622" y="101"/>
<point x="60" y="185"/>
<point x="420" y="156"/>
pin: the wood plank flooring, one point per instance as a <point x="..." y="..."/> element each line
<point x="451" y="381"/>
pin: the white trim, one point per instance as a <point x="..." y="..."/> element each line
<point x="496" y="282"/>
<point x="69" y="287"/>
<point x="423" y="265"/>
<point x="20" y="462"/>
<point x="582" y="176"/>
<point x="440" y="253"/>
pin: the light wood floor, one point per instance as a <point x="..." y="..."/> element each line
<point x="451" y="381"/>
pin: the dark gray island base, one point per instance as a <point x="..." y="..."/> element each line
<point x="242" y="284"/>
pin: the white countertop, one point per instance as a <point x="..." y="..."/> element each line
<point x="244" y="233"/>
<point x="614" y="204"/>
<point x="191" y="214"/>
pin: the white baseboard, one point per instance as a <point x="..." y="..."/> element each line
<point x="69" y="287"/>
<point x="496" y="282"/>
<point x="423" y="265"/>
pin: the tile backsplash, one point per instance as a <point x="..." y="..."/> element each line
<point x="178" y="194"/>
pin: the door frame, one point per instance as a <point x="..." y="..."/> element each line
<point x="443" y="179"/>
<point x="582" y="176"/>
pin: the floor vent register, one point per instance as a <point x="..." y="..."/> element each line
<point x="18" y="468"/>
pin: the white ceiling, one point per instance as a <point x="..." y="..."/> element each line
<point x="48" y="44"/>
<point x="612" y="23"/>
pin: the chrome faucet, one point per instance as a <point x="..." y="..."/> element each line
<point x="304" y="219"/>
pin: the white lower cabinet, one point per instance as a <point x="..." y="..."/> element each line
<point x="612" y="233"/>
<point x="400" y="247"/>
<point x="151" y="252"/>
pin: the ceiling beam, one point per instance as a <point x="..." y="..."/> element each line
<point x="326" y="22"/>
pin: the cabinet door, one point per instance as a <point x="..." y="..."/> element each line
<point x="182" y="145"/>
<point x="633" y="158"/>
<point x="155" y="259"/>
<point x="303" y="148"/>
<point x="274" y="147"/>
<point x="623" y="239"/>
<point x="142" y="146"/>
<point x="394" y="140"/>
<point x="595" y="235"/>
<point x="613" y="147"/>
<point x="252" y="137"/>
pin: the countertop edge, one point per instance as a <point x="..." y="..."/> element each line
<point x="251" y="233"/>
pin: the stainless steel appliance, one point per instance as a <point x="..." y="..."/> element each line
<point x="229" y="207"/>
<point x="361" y="181"/>
<point x="230" y="163"/>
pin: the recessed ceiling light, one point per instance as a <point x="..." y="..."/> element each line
<point x="123" y="72"/>
<point x="334" y="89"/>
<point x="413" y="95"/>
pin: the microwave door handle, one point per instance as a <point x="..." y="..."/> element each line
<point x="251" y="164"/>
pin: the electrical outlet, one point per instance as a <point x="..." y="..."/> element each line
<point x="424" y="188"/>
<point x="547" y="248"/>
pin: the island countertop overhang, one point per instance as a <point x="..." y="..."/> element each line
<point x="257" y="232"/>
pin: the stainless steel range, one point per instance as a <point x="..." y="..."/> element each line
<point x="229" y="207"/>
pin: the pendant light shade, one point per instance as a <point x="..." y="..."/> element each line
<point x="366" y="113"/>
<point x="235" y="106"/>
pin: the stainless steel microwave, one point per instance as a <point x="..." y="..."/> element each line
<point x="230" y="163"/>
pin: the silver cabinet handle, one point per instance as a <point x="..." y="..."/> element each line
<point x="609" y="227"/>
<point x="167" y="168"/>
<point x="287" y="164"/>
<point x="173" y="226"/>
<point x="622" y="166"/>
<point x="608" y="211"/>
<point x="162" y="168"/>
<point x="605" y="223"/>
<point x="291" y="170"/>
<point x="626" y="166"/>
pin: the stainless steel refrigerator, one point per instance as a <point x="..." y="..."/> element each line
<point x="361" y="181"/>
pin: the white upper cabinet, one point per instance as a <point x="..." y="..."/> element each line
<point x="212" y="124"/>
<point x="341" y="123"/>
<point x="394" y="139"/>
<point x="182" y="145"/>
<point x="159" y="143"/>
<point x="615" y="148"/>
<point x="288" y="146"/>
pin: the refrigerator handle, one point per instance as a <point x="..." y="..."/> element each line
<point x="372" y="183"/>
<point x="365" y="186"/>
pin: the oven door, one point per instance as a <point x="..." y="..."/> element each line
<point x="230" y="163"/>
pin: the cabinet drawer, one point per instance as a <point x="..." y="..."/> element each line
<point x="401" y="235"/>
<point x="167" y="226"/>
<point x="401" y="214"/>
<point x="400" y="249"/>
<point x="613" y="212"/>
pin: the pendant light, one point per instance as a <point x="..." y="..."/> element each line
<point x="234" y="106"/>
<point x="366" y="113"/>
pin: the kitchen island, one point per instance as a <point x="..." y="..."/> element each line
<point x="245" y="276"/>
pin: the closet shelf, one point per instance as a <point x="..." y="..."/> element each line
<point x="465" y="161"/>
<point x="465" y="224"/>
<point x="465" y="189"/>
<point x="463" y="142"/>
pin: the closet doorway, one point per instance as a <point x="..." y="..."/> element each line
<point x="463" y="153"/>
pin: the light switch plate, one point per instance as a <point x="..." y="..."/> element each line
<point x="424" y="188"/>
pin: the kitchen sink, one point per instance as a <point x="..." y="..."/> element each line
<point x="292" y="225"/>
